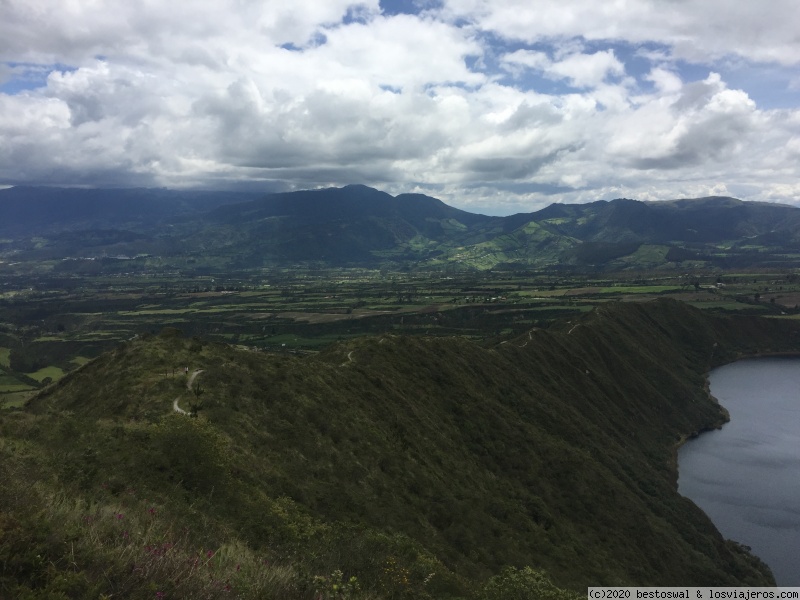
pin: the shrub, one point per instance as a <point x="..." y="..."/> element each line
<point x="523" y="584"/>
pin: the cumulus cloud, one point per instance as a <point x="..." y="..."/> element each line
<point x="693" y="30"/>
<point x="581" y="70"/>
<point x="496" y="106"/>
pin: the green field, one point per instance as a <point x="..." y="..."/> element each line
<point x="9" y="383"/>
<point x="15" y="399"/>
<point x="640" y="289"/>
<point x="54" y="373"/>
<point x="738" y="306"/>
<point x="308" y="310"/>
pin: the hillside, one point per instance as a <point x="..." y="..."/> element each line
<point x="420" y="466"/>
<point x="41" y="210"/>
<point x="357" y="226"/>
<point x="340" y="226"/>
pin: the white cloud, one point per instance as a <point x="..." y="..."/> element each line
<point x="581" y="70"/>
<point x="538" y="61"/>
<point x="665" y="81"/>
<point x="182" y="97"/>
<point x="698" y="31"/>
<point x="588" y="70"/>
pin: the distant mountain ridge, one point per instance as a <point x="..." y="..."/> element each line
<point x="29" y="210"/>
<point x="360" y="226"/>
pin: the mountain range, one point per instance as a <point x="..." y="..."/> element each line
<point x="360" y="226"/>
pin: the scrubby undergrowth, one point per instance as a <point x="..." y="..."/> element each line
<point x="386" y="467"/>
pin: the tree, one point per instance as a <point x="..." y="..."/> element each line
<point x="194" y="407"/>
<point x="23" y="360"/>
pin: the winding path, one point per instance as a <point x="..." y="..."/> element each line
<point x="349" y="359"/>
<point x="189" y="383"/>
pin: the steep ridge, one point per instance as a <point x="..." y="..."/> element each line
<point x="554" y="450"/>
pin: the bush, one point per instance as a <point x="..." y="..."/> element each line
<point x="192" y="451"/>
<point x="523" y="584"/>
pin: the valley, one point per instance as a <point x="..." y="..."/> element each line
<point x="53" y="325"/>
<point x="406" y="401"/>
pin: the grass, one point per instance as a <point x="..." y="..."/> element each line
<point x="403" y="461"/>
<point x="5" y="353"/>
<point x="15" y="399"/>
<point x="315" y="309"/>
<point x="159" y="311"/>
<point x="13" y="387"/>
<point x="640" y="289"/>
<point x="723" y="305"/>
<point x="575" y="307"/>
<point x="293" y="341"/>
<point x="54" y="373"/>
<point x="127" y="547"/>
<point x="646" y="255"/>
<point x="9" y="383"/>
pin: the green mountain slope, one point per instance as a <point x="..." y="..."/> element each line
<point x="359" y="226"/>
<point x="342" y="226"/>
<point x="714" y="231"/>
<point x="40" y="210"/>
<point x="419" y="466"/>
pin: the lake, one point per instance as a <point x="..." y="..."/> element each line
<point x="746" y="476"/>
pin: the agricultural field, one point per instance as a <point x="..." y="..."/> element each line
<point x="51" y="326"/>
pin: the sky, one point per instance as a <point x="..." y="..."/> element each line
<point x="493" y="106"/>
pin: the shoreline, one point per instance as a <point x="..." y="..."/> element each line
<point x="724" y="414"/>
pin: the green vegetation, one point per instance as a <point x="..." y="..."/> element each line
<point x="398" y="399"/>
<point x="359" y="227"/>
<point x="11" y="399"/>
<point x="54" y="322"/>
<point x="47" y="373"/>
<point x="383" y="467"/>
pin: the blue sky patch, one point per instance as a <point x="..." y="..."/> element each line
<point x="21" y="77"/>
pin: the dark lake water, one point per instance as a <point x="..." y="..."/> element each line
<point x="746" y="476"/>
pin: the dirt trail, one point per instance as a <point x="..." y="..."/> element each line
<point x="349" y="359"/>
<point x="189" y="383"/>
